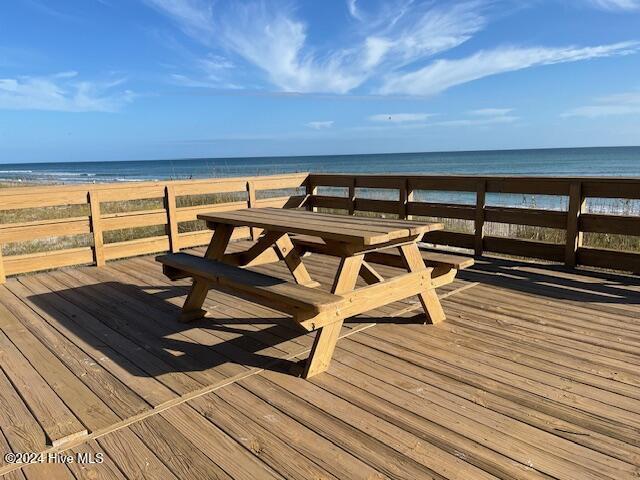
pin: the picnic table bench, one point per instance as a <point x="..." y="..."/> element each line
<point x="288" y="235"/>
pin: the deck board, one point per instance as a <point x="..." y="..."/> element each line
<point x="534" y="374"/>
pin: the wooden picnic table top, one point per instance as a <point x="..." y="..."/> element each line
<point x="342" y="228"/>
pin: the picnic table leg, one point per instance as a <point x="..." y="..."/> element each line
<point x="192" y="308"/>
<point x="261" y="252"/>
<point x="326" y="338"/>
<point x="275" y="246"/>
<point x="428" y="298"/>
<point x="369" y="274"/>
<point x="285" y="248"/>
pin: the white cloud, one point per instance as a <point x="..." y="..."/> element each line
<point x="211" y="71"/>
<point x="62" y="92"/>
<point x="482" y="117"/>
<point x="272" y="39"/>
<point x="400" y="117"/>
<point x="195" y="17"/>
<point x="443" y="74"/>
<point x="353" y="9"/>
<point x="209" y="82"/>
<point x="484" y="121"/>
<point x="615" y="5"/>
<point x="215" y="63"/>
<point x="384" y="50"/>
<point x="618" y="104"/>
<point x="478" y="118"/>
<point x="490" y="112"/>
<point x="320" y="125"/>
<point x="274" y="42"/>
<point x="474" y="118"/>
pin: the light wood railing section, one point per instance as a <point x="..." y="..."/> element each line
<point x="89" y="220"/>
<point x="573" y="219"/>
<point x="90" y="213"/>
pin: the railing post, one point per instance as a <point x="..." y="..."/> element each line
<point x="96" y="228"/>
<point x="172" y="218"/>
<point x="352" y="196"/>
<point x="310" y="192"/>
<point x="3" y="277"/>
<point x="481" y="194"/>
<point x="251" y="202"/>
<point x="574" y="235"/>
<point x="405" y="197"/>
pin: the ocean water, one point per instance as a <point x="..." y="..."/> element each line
<point x="618" y="161"/>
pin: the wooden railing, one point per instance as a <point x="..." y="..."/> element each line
<point x="574" y="219"/>
<point x="86" y="214"/>
<point x="88" y="217"/>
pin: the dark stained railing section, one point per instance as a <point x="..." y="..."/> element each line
<point x="573" y="219"/>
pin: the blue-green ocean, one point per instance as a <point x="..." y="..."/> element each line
<point x="615" y="161"/>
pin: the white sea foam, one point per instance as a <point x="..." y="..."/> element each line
<point x="65" y="174"/>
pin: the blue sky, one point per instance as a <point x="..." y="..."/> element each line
<point x="144" y="79"/>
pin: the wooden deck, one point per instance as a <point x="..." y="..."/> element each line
<point x="535" y="374"/>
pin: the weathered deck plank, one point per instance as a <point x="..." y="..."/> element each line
<point x="534" y="374"/>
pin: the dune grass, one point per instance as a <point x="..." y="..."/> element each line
<point x="609" y="206"/>
<point x="120" y="235"/>
<point x="603" y="206"/>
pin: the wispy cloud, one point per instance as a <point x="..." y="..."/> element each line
<point x="478" y="122"/>
<point x="482" y="117"/>
<point x="387" y="52"/>
<point x="320" y="125"/>
<point x="473" y="118"/>
<point x="211" y="71"/>
<point x="202" y="82"/>
<point x="490" y="112"/>
<point x="46" y="9"/>
<point x="618" y="104"/>
<point x="62" y="92"/>
<point x="353" y="9"/>
<point x="615" y="5"/>
<point x="273" y="39"/>
<point x="195" y="17"/>
<point x="400" y="117"/>
<point x="443" y="74"/>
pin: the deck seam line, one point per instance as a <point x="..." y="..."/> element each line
<point x="168" y="405"/>
<point x="418" y="306"/>
<point x="197" y="393"/>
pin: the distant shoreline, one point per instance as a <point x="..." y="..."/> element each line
<point x="308" y="156"/>
<point x="590" y="162"/>
<point x="18" y="184"/>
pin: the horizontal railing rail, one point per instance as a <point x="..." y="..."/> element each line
<point x="164" y="213"/>
<point x="82" y="212"/>
<point x="574" y="219"/>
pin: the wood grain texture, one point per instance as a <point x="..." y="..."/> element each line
<point x="64" y="196"/>
<point x="326" y="338"/>
<point x="251" y="203"/>
<point x="192" y="308"/>
<point x="334" y="227"/>
<point x="534" y="375"/>
<point x="404" y="206"/>
<point x="3" y="277"/>
<point x="574" y="235"/>
<point x="480" y="217"/>
<point x="430" y="304"/>
<point x="292" y="296"/>
<point x="171" y="217"/>
<point x="96" y="228"/>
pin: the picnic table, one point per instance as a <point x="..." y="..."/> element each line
<point x="287" y="234"/>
